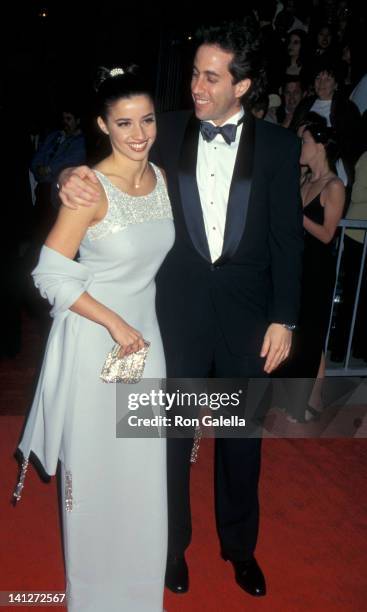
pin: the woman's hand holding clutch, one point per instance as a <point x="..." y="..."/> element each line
<point x="126" y="360"/>
<point x="126" y="336"/>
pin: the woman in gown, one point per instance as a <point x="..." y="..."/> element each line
<point x="323" y="196"/>
<point x="114" y="489"/>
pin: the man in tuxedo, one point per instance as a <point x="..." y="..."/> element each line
<point x="228" y="291"/>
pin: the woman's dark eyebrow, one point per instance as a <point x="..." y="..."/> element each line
<point x="129" y="118"/>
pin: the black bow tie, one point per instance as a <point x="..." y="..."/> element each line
<point x="228" y="131"/>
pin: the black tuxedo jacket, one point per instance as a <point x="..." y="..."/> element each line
<point x="256" y="280"/>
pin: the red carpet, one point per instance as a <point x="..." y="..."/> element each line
<point x="313" y="538"/>
<point x="313" y="532"/>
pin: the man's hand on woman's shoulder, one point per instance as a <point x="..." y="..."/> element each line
<point x="78" y="187"/>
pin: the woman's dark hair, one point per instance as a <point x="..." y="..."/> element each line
<point x="116" y="83"/>
<point x="329" y="65"/>
<point x="321" y="133"/>
<point x="243" y="41"/>
<point x="303" y="53"/>
<point x="261" y="104"/>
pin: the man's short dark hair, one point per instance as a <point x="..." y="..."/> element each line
<point x="241" y="38"/>
<point x="293" y="78"/>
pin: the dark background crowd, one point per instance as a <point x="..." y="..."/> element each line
<point x="315" y="60"/>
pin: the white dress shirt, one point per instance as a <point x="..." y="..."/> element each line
<point x="323" y="108"/>
<point x="214" y="170"/>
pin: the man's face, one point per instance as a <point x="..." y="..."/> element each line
<point x="292" y="95"/>
<point x="70" y="123"/>
<point x="215" y="96"/>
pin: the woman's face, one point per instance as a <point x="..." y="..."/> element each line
<point x="131" y="126"/>
<point x="310" y="148"/>
<point x="294" y="45"/>
<point x="324" y="38"/>
<point x="325" y="85"/>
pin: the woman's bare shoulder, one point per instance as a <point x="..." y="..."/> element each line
<point x="334" y="185"/>
<point x="333" y="193"/>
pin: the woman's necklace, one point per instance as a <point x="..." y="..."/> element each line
<point x="138" y="183"/>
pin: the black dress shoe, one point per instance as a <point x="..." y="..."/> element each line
<point x="177" y="575"/>
<point x="249" y="576"/>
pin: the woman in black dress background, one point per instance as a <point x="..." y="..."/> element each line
<point x="323" y="196"/>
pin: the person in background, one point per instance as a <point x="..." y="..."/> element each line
<point x="65" y="145"/>
<point x="323" y="196"/>
<point x="260" y="107"/>
<point x="324" y="45"/>
<point x="296" y="60"/>
<point x="62" y="148"/>
<point x="340" y="113"/>
<point x="292" y="94"/>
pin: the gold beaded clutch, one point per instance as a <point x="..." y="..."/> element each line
<point x="127" y="369"/>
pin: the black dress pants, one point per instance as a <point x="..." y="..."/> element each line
<point x="237" y="460"/>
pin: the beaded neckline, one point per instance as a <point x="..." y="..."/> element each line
<point x="125" y="193"/>
<point x="125" y="210"/>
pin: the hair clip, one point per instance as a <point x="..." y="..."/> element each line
<point x="116" y="72"/>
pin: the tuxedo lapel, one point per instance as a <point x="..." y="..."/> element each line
<point x="240" y="190"/>
<point x="189" y="192"/>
